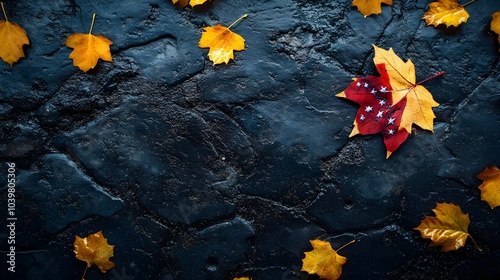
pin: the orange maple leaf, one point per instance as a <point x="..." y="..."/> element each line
<point x="370" y="7"/>
<point x="495" y="24"/>
<point x="448" y="12"/>
<point x="193" y="3"/>
<point x="88" y="49"/>
<point x="448" y="229"/>
<point x="490" y="188"/>
<point x="12" y="39"/>
<point x="391" y="103"/>
<point x="222" y="42"/>
<point x="323" y="260"/>
<point x="94" y="249"/>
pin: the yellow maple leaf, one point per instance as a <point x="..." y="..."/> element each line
<point x="94" y="249"/>
<point x="449" y="228"/>
<point x="222" y="42"/>
<point x="448" y="12"/>
<point x="323" y="260"/>
<point x="193" y="3"/>
<point x="12" y="39"/>
<point x="402" y="77"/>
<point x="88" y="48"/>
<point x="495" y="24"/>
<point x="370" y="7"/>
<point x="490" y="188"/>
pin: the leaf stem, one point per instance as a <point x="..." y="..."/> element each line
<point x="475" y="244"/>
<point x="468" y="3"/>
<point x="431" y="77"/>
<point x="4" y="13"/>
<point x="348" y="243"/>
<point x="238" y="20"/>
<point x="85" y="272"/>
<point x="92" y="25"/>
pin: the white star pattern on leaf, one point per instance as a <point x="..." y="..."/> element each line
<point x="366" y="85"/>
<point x="373" y="91"/>
<point x="391" y="131"/>
<point x="362" y="117"/>
<point x="391" y="120"/>
<point x="383" y="89"/>
<point x="368" y="109"/>
<point x="381" y="102"/>
<point x="379" y="114"/>
<point x="358" y="84"/>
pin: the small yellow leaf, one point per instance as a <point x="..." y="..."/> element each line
<point x="323" y="260"/>
<point x="94" y="249"/>
<point x="370" y="7"/>
<point x="495" y="24"/>
<point x="490" y="188"/>
<point x="222" y="42"/>
<point x="88" y="49"/>
<point x="193" y="3"/>
<point x="448" y="12"/>
<point x="448" y="229"/>
<point x="242" y="278"/>
<point x="12" y="39"/>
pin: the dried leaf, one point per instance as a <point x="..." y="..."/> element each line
<point x="94" y="249"/>
<point x="448" y="12"/>
<point x="88" y="49"/>
<point x="490" y="188"/>
<point x="448" y="229"/>
<point x="12" y="39"/>
<point x="193" y="3"/>
<point x="222" y="42"/>
<point x="323" y="260"/>
<point x="391" y="103"/>
<point x="370" y="7"/>
<point x="495" y="24"/>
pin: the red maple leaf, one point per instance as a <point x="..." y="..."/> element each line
<point x="377" y="112"/>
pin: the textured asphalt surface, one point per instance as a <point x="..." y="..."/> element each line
<point x="196" y="171"/>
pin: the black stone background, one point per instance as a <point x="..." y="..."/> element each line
<point x="197" y="171"/>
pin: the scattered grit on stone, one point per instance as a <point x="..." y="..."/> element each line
<point x="197" y="171"/>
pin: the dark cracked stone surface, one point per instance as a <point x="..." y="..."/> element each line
<point x="195" y="171"/>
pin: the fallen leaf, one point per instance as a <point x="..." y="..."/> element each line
<point x="242" y="278"/>
<point x="448" y="12"/>
<point x="94" y="249"/>
<point x="12" y="39"/>
<point x="490" y="188"/>
<point x="323" y="260"/>
<point x="222" y="42"/>
<point x="448" y="229"/>
<point x="390" y="104"/>
<point x="495" y="24"/>
<point x="88" y="49"/>
<point x="193" y="3"/>
<point x="370" y="7"/>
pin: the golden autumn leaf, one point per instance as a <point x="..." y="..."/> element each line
<point x="490" y="188"/>
<point x="94" y="249"/>
<point x="448" y="12"/>
<point x="402" y="77"/>
<point x="88" y="48"/>
<point x="222" y="42"/>
<point x="370" y="7"/>
<point x="193" y="3"/>
<point x="449" y="228"/>
<point x="323" y="260"/>
<point x="12" y="39"/>
<point x="495" y="24"/>
<point x="242" y="278"/>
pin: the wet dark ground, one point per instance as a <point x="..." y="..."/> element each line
<point x="195" y="171"/>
